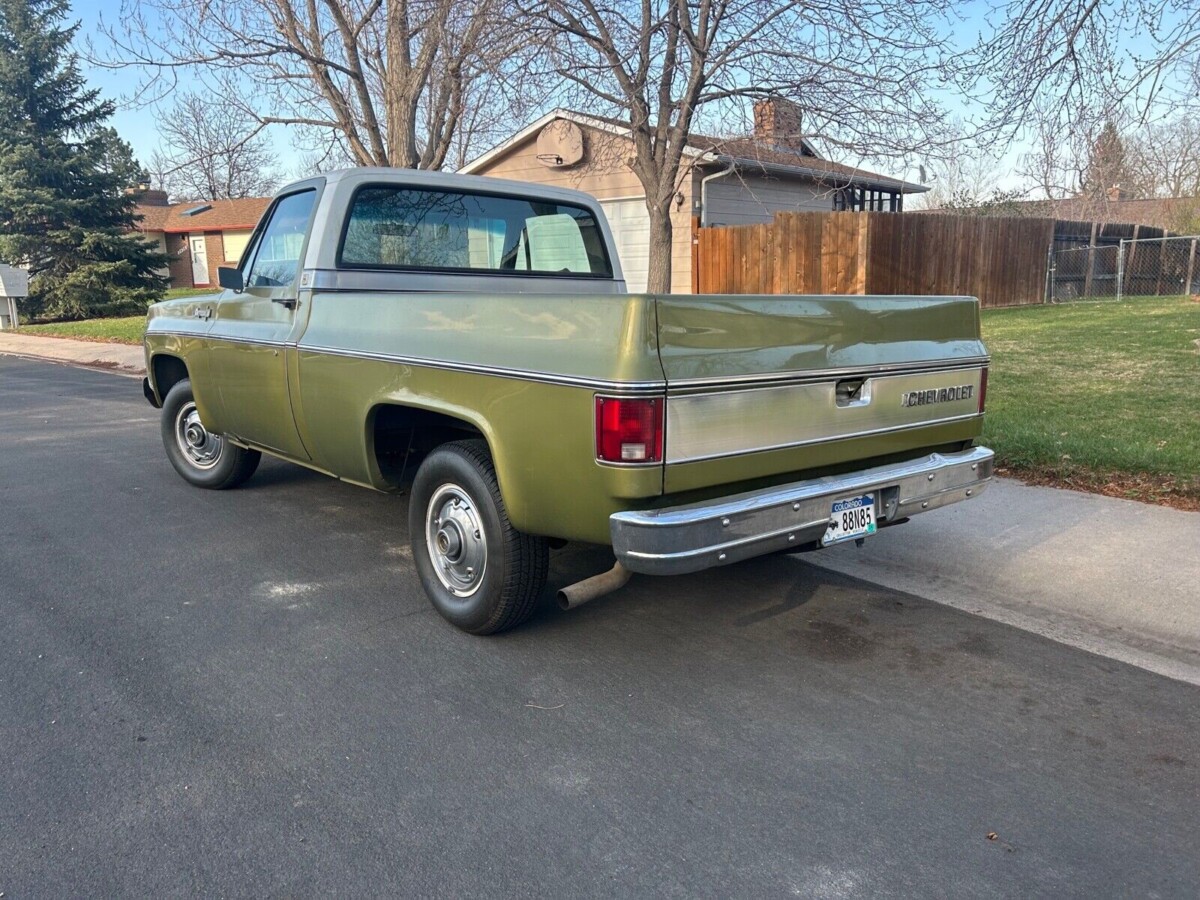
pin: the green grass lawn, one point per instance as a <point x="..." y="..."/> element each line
<point x="1101" y="395"/>
<point x="126" y="330"/>
<point x="114" y="331"/>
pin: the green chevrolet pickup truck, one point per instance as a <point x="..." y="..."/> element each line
<point x="470" y="341"/>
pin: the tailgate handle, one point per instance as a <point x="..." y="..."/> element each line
<point x="852" y="392"/>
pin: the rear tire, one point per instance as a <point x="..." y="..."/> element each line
<point x="204" y="459"/>
<point x="480" y="573"/>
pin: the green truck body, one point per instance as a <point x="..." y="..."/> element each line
<point x="361" y="371"/>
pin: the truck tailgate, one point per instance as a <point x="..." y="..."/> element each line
<point x="762" y="386"/>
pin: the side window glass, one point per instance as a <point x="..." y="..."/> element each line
<point x="277" y="251"/>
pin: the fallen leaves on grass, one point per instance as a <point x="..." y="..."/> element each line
<point x="1161" y="490"/>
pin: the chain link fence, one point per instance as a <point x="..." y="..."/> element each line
<point x="1159" y="267"/>
<point x="1149" y="267"/>
<point x="1084" y="273"/>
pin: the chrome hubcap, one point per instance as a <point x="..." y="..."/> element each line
<point x="199" y="447"/>
<point x="454" y="535"/>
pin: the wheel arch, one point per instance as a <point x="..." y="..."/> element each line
<point x="166" y="371"/>
<point x="397" y="430"/>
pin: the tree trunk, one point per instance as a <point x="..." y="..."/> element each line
<point x="658" y="279"/>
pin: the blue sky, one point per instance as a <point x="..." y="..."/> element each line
<point x="138" y="126"/>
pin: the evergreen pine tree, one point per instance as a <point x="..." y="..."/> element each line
<point x="1107" y="165"/>
<point x="66" y="212"/>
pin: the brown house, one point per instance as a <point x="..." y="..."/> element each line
<point x="200" y="235"/>
<point x="728" y="181"/>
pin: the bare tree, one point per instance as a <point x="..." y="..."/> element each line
<point x="1165" y="158"/>
<point x="1052" y="163"/>
<point x="861" y="69"/>
<point x="968" y="170"/>
<point x="1088" y="60"/>
<point x="389" y="82"/>
<point x="209" y="154"/>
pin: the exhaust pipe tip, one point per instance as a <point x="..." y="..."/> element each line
<point x="575" y="595"/>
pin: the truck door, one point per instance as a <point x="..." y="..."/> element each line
<point x="254" y="327"/>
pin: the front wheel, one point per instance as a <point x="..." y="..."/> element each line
<point x="479" y="572"/>
<point x="204" y="459"/>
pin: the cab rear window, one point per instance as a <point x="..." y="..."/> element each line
<point x="412" y="228"/>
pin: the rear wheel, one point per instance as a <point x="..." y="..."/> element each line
<point x="479" y="572"/>
<point x="203" y="458"/>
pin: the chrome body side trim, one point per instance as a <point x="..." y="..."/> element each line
<point x="769" y="379"/>
<point x="681" y="388"/>
<point x="729" y="423"/>
<point x="620" y="387"/>
<point x="624" y="387"/>
<point x="699" y="536"/>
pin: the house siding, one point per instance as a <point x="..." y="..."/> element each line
<point x="606" y="176"/>
<point x="744" y="199"/>
<point x="235" y="245"/>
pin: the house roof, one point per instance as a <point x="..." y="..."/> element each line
<point x="1168" y="213"/>
<point x="741" y="152"/>
<point x="752" y="153"/>
<point x="203" y="215"/>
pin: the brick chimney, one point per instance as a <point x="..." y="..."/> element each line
<point x="777" y="122"/>
<point x="147" y="197"/>
<point x="1117" y="193"/>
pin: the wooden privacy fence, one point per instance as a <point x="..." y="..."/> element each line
<point x="1003" y="262"/>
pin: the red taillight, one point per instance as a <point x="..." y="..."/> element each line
<point x="982" y="389"/>
<point x="628" y="430"/>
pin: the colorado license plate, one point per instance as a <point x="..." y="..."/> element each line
<point x="851" y="518"/>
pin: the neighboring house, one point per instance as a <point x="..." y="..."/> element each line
<point x="729" y="181"/>
<point x="200" y="235"/>
<point x="1178" y="214"/>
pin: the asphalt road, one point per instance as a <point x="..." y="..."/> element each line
<point x="246" y="693"/>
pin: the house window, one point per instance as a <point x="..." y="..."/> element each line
<point x="864" y="199"/>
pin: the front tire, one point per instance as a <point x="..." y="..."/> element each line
<point x="480" y="573"/>
<point x="204" y="459"/>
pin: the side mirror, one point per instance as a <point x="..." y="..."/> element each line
<point x="231" y="279"/>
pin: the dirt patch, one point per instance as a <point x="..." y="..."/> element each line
<point x="1160" y="490"/>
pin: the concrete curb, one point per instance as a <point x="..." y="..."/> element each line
<point x="122" y="359"/>
<point x="1112" y="577"/>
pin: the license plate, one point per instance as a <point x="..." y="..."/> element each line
<point x="851" y="518"/>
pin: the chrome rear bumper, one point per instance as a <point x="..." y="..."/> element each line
<point x="718" y="532"/>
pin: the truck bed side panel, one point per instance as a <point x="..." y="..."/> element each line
<point x="523" y="369"/>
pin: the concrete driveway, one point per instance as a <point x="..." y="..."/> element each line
<point x="1113" y="576"/>
<point x="245" y="693"/>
